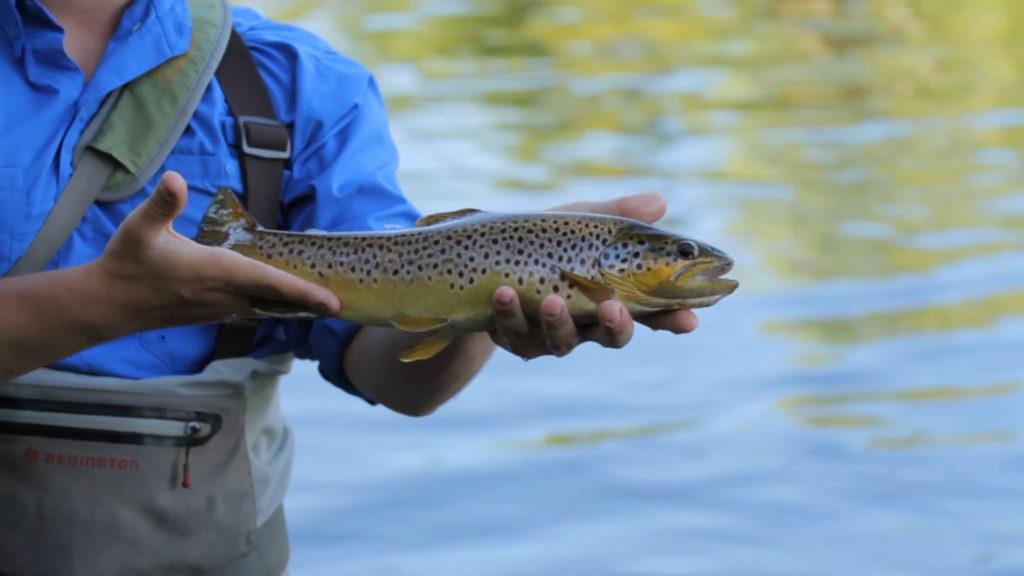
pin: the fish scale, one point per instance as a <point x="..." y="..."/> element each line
<point x="441" y="276"/>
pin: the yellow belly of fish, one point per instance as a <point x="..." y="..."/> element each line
<point x="418" y="305"/>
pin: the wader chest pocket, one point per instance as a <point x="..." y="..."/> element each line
<point x="110" y="423"/>
<point x="114" y="482"/>
<point x="107" y="423"/>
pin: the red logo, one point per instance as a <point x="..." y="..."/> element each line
<point x="31" y="456"/>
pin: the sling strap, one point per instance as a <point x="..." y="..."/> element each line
<point x="265" y="145"/>
<point x="92" y="172"/>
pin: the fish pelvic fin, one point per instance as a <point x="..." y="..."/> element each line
<point x="226" y="223"/>
<point x="429" y="347"/>
<point x="431" y="219"/>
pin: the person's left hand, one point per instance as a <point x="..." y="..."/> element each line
<point x="557" y="334"/>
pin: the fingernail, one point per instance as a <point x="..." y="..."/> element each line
<point x="614" y="320"/>
<point x="504" y="298"/>
<point x="555" y="314"/>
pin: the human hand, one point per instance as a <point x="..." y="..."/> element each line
<point x="157" y="277"/>
<point x="558" y="334"/>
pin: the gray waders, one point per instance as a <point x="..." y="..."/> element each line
<point x="168" y="475"/>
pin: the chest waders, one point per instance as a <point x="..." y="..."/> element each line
<point x="168" y="475"/>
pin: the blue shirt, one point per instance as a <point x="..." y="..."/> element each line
<point x="341" y="175"/>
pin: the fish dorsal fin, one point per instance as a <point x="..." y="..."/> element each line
<point x="431" y="219"/>
<point x="224" y="219"/>
<point x="594" y="290"/>
<point x="409" y="323"/>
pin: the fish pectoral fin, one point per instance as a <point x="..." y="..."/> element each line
<point x="271" y="309"/>
<point x="429" y="347"/>
<point x="592" y="289"/>
<point x="409" y="323"/>
<point x="431" y="219"/>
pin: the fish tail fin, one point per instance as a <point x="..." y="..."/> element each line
<point x="224" y="220"/>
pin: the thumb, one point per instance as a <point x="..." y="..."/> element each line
<point x="167" y="201"/>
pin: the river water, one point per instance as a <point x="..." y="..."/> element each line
<point x="854" y="408"/>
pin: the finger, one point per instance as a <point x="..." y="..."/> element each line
<point x="260" y="281"/>
<point x="677" y="321"/>
<point x="511" y="328"/>
<point x="648" y="207"/>
<point x="614" y="327"/>
<point x="166" y="202"/>
<point x="509" y="319"/>
<point x="559" y="330"/>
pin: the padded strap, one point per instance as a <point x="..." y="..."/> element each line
<point x="81" y="191"/>
<point x="265" y="142"/>
<point x="265" y="147"/>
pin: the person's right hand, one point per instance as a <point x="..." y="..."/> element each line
<point x="160" y="278"/>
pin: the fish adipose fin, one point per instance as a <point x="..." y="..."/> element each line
<point x="409" y="323"/>
<point x="594" y="290"/>
<point x="431" y="219"/>
<point x="429" y="347"/>
<point x="226" y="223"/>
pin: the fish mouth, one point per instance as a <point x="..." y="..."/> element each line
<point x="700" y="284"/>
<point x="709" y="274"/>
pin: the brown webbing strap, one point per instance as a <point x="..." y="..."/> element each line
<point x="265" y="147"/>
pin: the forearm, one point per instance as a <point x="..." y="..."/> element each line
<point x="50" y="315"/>
<point x="413" y="388"/>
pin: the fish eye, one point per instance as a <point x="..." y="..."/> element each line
<point x="687" y="250"/>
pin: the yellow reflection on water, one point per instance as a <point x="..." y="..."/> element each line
<point x="840" y="420"/>
<point x="969" y="314"/>
<point x="824" y="411"/>
<point x="604" y="435"/>
<point x="927" y="440"/>
<point x="915" y="395"/>
<point x="862" y="111"/>
<point x="849" y="139"/>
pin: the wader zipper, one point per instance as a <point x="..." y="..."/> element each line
<point x="110" y="423"/>
<point x="192" y="430"/>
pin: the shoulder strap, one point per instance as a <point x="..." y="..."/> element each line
<point x="81" y="191"/>
<point x="265" y="145"/>
<point x="133" y="133"/>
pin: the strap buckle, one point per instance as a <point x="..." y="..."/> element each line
<point x="264" y="138"/>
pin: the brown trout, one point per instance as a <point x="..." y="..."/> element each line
<point x="440" y="276"/>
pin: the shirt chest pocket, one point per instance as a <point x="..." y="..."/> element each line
<point x="13" y="209"/>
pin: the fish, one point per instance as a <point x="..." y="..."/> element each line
<point x="440" y="276"/>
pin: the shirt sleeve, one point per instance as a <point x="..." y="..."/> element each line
<point x="342" y="174"/>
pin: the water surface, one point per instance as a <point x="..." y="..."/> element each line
<point x="853" y="409"/>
